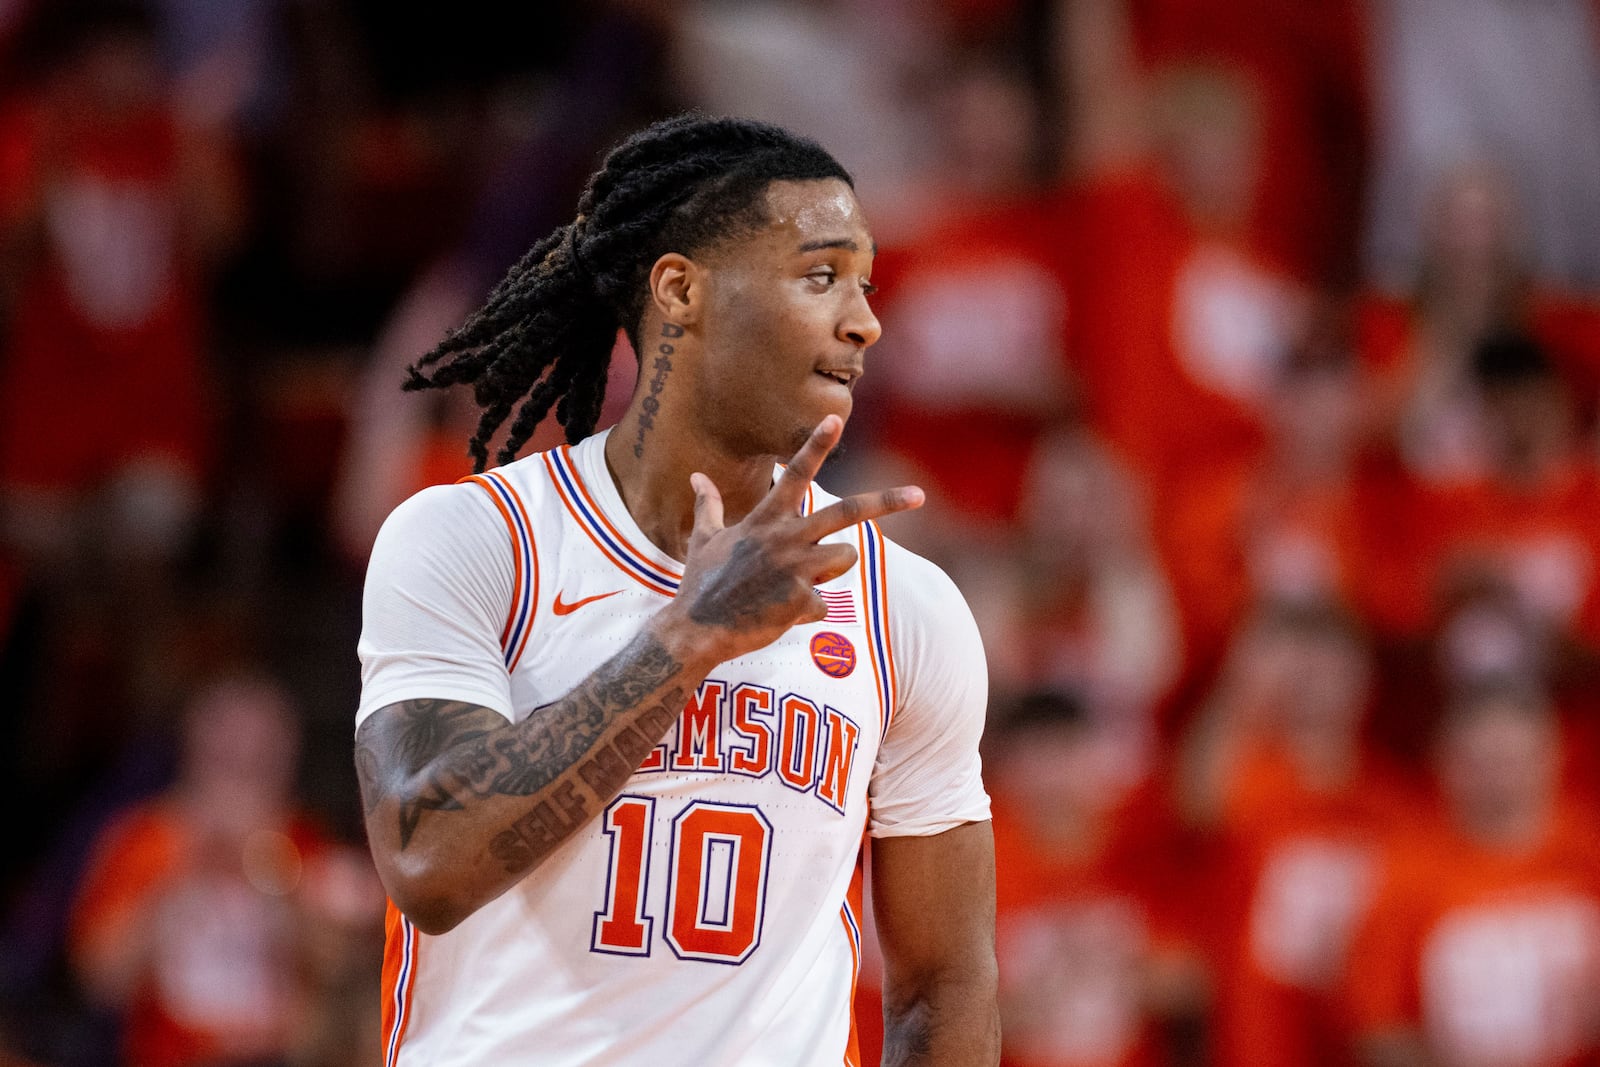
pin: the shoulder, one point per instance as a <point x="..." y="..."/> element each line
<point x="492" y="503"/>
<point x="912" y="595"/>
<point x="918" y="587"/>
<point x="915" y="583"/>
<point x="442" y="506"/>
<point x="444" y="532"/>
<point x="936" y="651"/>
<point x="922" y="604"/>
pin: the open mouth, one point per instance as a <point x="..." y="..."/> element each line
<point x="843" y="377"/>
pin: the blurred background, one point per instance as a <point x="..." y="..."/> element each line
<point x="1249" y="351"/>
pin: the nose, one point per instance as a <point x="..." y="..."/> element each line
<point x="858" y="324"/>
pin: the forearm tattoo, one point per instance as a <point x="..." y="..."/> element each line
<point x="908" y="1035"/>
<point x="650" y="406"/>
<point x="438" y="755"/>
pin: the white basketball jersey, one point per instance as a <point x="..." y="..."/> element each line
<point x="711" y="915"/>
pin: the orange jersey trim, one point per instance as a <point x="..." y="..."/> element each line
<point x="400" y="945"/>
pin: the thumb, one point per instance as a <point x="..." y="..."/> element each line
<point x="707" y="509"/>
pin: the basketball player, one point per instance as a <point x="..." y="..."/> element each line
<point x="630" y="705"/>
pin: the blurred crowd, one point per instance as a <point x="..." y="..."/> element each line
<point x="1248" y="351"/>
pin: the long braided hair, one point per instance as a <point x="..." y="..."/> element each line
<point x="545" y="335"/>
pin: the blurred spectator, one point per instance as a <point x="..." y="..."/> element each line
<point x="210" y="913"/>
<point x="1473" y="281"/>
<point x="1521" y="514"/>
<point x="1483" y="949"/>
<point x="113" y="214"/>
<point x="842" y="72"/>
<point x="1306" y="65"/>
<point x="1182" y="318"/>
<point x="1514" y="85"/>
<point x="1288" y="525"/>
<point x="1092" y="611"/>
<point x="225" y="60"/>
<point x="1489" y="632"/>
<point x="1094" y="967"/>
<point x="401" y="443"/>
<point x="1299" y="807"/>
<point x="1531" y="524"/>
<point x="973" y="364"/>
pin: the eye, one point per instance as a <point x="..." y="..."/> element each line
<point x="868" y="289"/>
<point x="824" y="276"/>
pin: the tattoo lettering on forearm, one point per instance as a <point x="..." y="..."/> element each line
<point x="541" y="829"/>
<point x="475" y="755"/>
<point x="650" y="406"/>
<point x="737" y="592"/>
<point x="605" y="771"/>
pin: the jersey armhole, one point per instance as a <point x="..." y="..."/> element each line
<point x="525" y="560"/>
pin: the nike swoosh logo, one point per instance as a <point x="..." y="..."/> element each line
<point x="563" y="608"/>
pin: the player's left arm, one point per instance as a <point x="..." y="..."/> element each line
<point x="933" y="899"/>
<point x="932" y="851"/>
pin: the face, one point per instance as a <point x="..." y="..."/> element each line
<point x="1077" y="769"/>
<point x="1317" y="414"/>
<point x="242" y="734"/>
<point x="1472" y="226"/>
<point x="1331" y="678"/>
<point x="786" y="321"/>
<point x="989" y="123"/>
<point x="1498" y="762"/>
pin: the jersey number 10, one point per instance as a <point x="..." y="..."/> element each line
<point x="717" y="866"/>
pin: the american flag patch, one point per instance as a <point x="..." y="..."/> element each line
<point x="841" y="605"/>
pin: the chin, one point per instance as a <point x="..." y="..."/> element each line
<point x="803" y="432"/>
<point x="797" y="437"/>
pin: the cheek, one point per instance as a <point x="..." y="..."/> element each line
<point x="740" y="326"/>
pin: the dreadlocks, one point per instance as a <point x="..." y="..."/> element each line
<point x="545" y="335"/>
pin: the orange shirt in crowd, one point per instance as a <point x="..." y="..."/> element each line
<point x="1077" y="939"/>
<point x="1492" y="957"/>
<point x="1542" y="537"/>
<point x="974" y="361"/>
<point x="212" y="939"/>
<point x="1236" y="537"/>
<point x="1298" y="871"/>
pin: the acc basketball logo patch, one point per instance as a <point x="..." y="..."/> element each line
<point x="833" y="654"/>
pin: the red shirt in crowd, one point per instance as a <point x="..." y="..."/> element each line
<point x="1180" y="336"/>
<point x="974" y="359"/>
<point x="1307" y="66"/>
<point x="103" y="358"/>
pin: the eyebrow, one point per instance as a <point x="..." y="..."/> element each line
<point x="837" y="242"/>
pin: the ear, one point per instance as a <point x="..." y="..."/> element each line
<point x="677" y="289"/>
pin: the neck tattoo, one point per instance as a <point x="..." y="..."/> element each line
<point x="650" y="405"/>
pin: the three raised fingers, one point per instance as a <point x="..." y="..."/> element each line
<point x="832" y="560"/>
<point x="861" y="508"/>
<point x="788" y="493"/>
<point x="790" y="489"/>
<point x="707" y="507"/>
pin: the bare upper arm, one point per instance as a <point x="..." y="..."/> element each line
<point x="933" y="901"/>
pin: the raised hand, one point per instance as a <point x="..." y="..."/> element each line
<point x="744" y="585"/>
